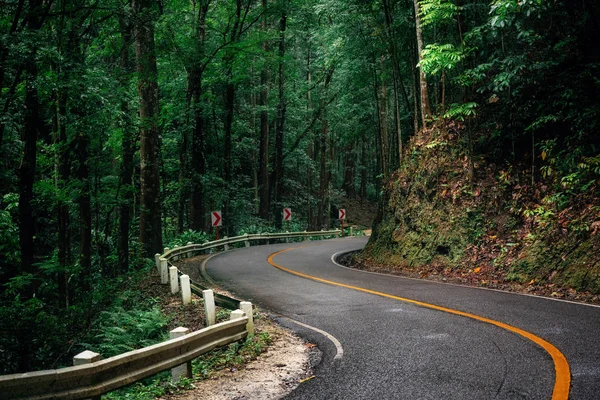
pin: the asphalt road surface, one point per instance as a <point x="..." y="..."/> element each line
<point x="379" y="345"/>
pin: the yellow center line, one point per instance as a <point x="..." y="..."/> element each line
<point x="562" y="381"/>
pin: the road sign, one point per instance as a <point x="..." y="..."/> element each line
<point x="216" y="218"/>
<point x="287" y="214"/>
<point x="342" y="213"/>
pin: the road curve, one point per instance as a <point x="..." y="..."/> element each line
<point x="396" y="348"/>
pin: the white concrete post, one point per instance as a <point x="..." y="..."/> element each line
<point x="183" y="370"/>
<point x="173" y="279"/>
<point x="164" y="271"/>
<point x="351" y="229"/>
<point x="236" y="314"/>
<point x="166" y="249"/>
<point x="186" y="290"/>
<point x="157" y="261"/>
<point x="246" y="307"/>
<point x="246" y="242"/>
<point x="87" y="357"/>
<point x="209" y="307"/>
<point x="226" y="246"/>
<point x="189" y="253"/>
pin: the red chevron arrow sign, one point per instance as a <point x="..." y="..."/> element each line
<point x="287" y="214"/>
<point x="342" y="213"/>
<point x="216" y="218"/>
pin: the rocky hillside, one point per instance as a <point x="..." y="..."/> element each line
<point x="501" y="230"/>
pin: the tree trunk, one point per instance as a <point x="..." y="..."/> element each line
<point x="198" y="157"/>
<point x="349" y="169"/>
<point x="384" y="133"/>
<point x="323" y="173"/>
<point x="150" y="196"/>
<point x="425" y="108"/>
<point x="229" y="110"/>
<point x="31" y="131"/>
<point x="363" y="170"/>
<point x="85" y="210"/>
<point x="281" y="110"/>
<point x="263" y="171"/>
<point x="126" y="65"/>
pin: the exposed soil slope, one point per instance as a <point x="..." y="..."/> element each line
<point x="499" y="231"/>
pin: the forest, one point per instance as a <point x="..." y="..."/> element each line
<point x="123" y="123"/>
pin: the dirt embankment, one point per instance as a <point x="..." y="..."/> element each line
<point x="498" y="230"/>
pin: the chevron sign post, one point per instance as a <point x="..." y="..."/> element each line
<point x="216" y="219"/>
<point x="287" y="216"/>
<point x="342" y="217"/>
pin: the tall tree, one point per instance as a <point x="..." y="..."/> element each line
<point x="263" y="155"/>
<point x="32" y="128"/>
<point x="128" y="142"/>
<point x="424" y="91"/>
<point x="194" y="97"/>
<point x="150" y="196"/>
<point x="281" y="111"/>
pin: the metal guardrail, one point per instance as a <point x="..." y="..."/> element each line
<point x="176" y="252"/>
<point x="94" y="379"/>
<point x="90" y="380"/>
<point x="220" y="299"/>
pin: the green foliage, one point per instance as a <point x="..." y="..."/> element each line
<point x="461" y="111"/>
<point x="435" y="12"/>
<point x="440" y="57"/>
<point x="120" y="330"/>
<point x="9" y="233"/>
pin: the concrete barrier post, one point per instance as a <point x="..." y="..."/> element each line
<point x="87" y="357"/>
<point x="351" y="233"/>
<point x="183" y="370"/>
<point x="209" y="307"/>
<point x="226" y="246"/>
<point x="236" y="314"/>
<point x="164" y="271"/>
<point x="157" y="261"/>
<point x="175" y="257"/>
<point x="189" y="253"/>
<point x="166" y="249"/>
<point x="246" y="242"/>
<point x="173" y="279"/>
<point x="246" y="307"/>
<point x="186" y="290"/>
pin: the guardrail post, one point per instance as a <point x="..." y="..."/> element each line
<point x="87" y="357"/>
<point x="183" y="370"/>
<point x="209" y="307"/>
<point x="175" y="257"/>
<point x="351" y="229"/>
<point x="306" y="237"/>
<point x="173" y="279"/>
<point x="246" y="307"/>
<point x="226" y="246"/>
<point x="236" y="314"/>
<point x="189" y="253"/>
<point x="246" y="242"/>
<point x="164" y="271"/>
<point x="157" y="261"/>
<point x="166" y="249"/>
<point x="186" y="290"/>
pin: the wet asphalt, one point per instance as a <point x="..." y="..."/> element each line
<point x="397" y="350"/>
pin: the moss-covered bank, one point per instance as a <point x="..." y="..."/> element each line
<point x="499" y="230"/>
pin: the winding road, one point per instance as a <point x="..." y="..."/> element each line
<point x="386" y="337"/>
